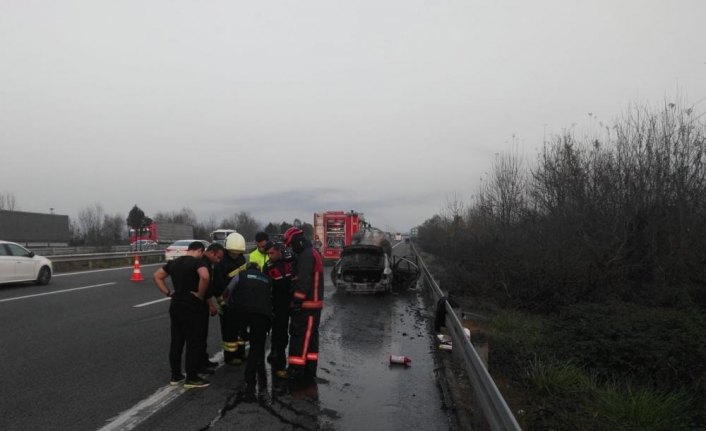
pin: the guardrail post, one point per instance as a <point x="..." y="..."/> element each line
<point x="495" y="410"/>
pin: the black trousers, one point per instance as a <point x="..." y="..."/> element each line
<point x="186" y="328"/>
<point x="280" y="332"/>
<point x="204" y="357"/>
<point x="233" y="335"/>
<point x="258" y="325"/>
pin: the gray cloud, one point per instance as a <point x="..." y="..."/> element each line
<point x="387" y="107"/>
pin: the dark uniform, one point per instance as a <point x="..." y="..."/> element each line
<point x="251" y="299"/>
<point x="307" y="303"/>
<point x="280" y="272"/>
<point x="186" y="312"/>
<point x="205" y="359"/>
<point x="231" y="332"/>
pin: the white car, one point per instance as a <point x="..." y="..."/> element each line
<point x="19" y="264"/>
<point x="178" y="248"/>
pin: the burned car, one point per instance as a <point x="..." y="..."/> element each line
<point x="363" y="269"/>
<point x="367" y="265"/>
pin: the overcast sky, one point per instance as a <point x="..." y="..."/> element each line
<point x="283" y="108"/>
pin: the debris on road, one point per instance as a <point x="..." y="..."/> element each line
<point x="400" y="359"/>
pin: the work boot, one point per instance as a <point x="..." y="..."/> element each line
<point x="249" y="392"/>
<point x="295" y="373"/>
<point x="262" y="383"/>
<point x="235" y="362"/>
<point x="176" y="379"/>
<point x="196" y="383"/>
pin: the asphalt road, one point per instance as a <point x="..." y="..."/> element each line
<point x="89" y="352"/>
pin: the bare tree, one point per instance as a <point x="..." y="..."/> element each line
<point x="113" y="230"/>
<point x="8" y="201"/>
<point x="90" y="222"/>
<point x="247" y="225"/>
<point x="244" y="223"/>
<point x="202" y="230"/>
<point x="185" y="216"/>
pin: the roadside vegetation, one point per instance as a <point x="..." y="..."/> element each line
<point x="591" y="261"/>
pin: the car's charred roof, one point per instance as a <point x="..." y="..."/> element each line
<point x="361" y="248"/>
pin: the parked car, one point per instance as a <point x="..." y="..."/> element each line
<point x="144" y="245"/>
<point x="178" y="248"/>
<point x="19" y="264"/>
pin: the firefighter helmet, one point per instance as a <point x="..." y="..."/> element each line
<point x="291" y="233"/>
<point x="235" y="243"/>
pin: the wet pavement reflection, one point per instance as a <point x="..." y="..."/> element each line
<point x="357" y="387"/>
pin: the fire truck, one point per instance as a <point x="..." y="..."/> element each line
<point x="168" y="232"/>
<point x="334" y="230"/>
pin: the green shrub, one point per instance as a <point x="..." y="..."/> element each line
<point x="643" y="409"/>
<point x="657" y="347"/>
<point x="515" y="339"/>
<point x="555" y="378"/>
<point x="558" y="392"/>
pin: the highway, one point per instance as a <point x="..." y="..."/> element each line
<point x="89" y="352"/>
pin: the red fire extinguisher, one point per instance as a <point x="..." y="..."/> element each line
<point x="400" y="359"/>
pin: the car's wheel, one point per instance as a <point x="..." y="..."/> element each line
<point x="44" y="276"/>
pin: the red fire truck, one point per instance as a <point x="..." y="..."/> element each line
<point x="334" y="230"/>
<point x="167" y="233"/>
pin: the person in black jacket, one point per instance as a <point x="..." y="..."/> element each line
<point x="251" y="298"/>
<point x="279" y="269"/>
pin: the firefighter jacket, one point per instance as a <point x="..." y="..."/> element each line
<point x="224" y="271"/>
<point x="251" y="294"/>
<point x="258" y="257"/>
<point x="280" y="273"/>
<point x="308" y="279"/>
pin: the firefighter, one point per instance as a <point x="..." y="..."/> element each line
<point x="259" y="255"/>
<point x="306" y="306"/>
<point x="224" y="272"/>
<point x="279" y="269"/>
<point x="251" y="299"/>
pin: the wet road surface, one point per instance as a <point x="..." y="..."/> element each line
<point x="89" y="352"/>
<point x="356" y="389"/>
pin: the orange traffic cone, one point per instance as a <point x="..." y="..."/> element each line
<point x="136" y="274"/>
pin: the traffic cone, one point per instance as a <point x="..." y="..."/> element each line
<point x="136" y="274"/>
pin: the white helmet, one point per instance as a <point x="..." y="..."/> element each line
<point x="235" y="243"/>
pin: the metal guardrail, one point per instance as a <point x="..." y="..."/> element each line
<point x="61" y="251"/>
<point x="52" y="252"/>
<point x="102" y="256"/>
<point x="495" y="410"/>
<point x="124" y="253"/>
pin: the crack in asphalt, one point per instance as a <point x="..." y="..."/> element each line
<point x="268" y="405"/>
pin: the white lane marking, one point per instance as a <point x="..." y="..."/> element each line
<point x="132" y="417"/>
<point x="64" y="274"/>
<point x="129" y="419"/>
<point x="399" y="243"/>
<point x="151" y="302"/>
<point x="55" y="292"/>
